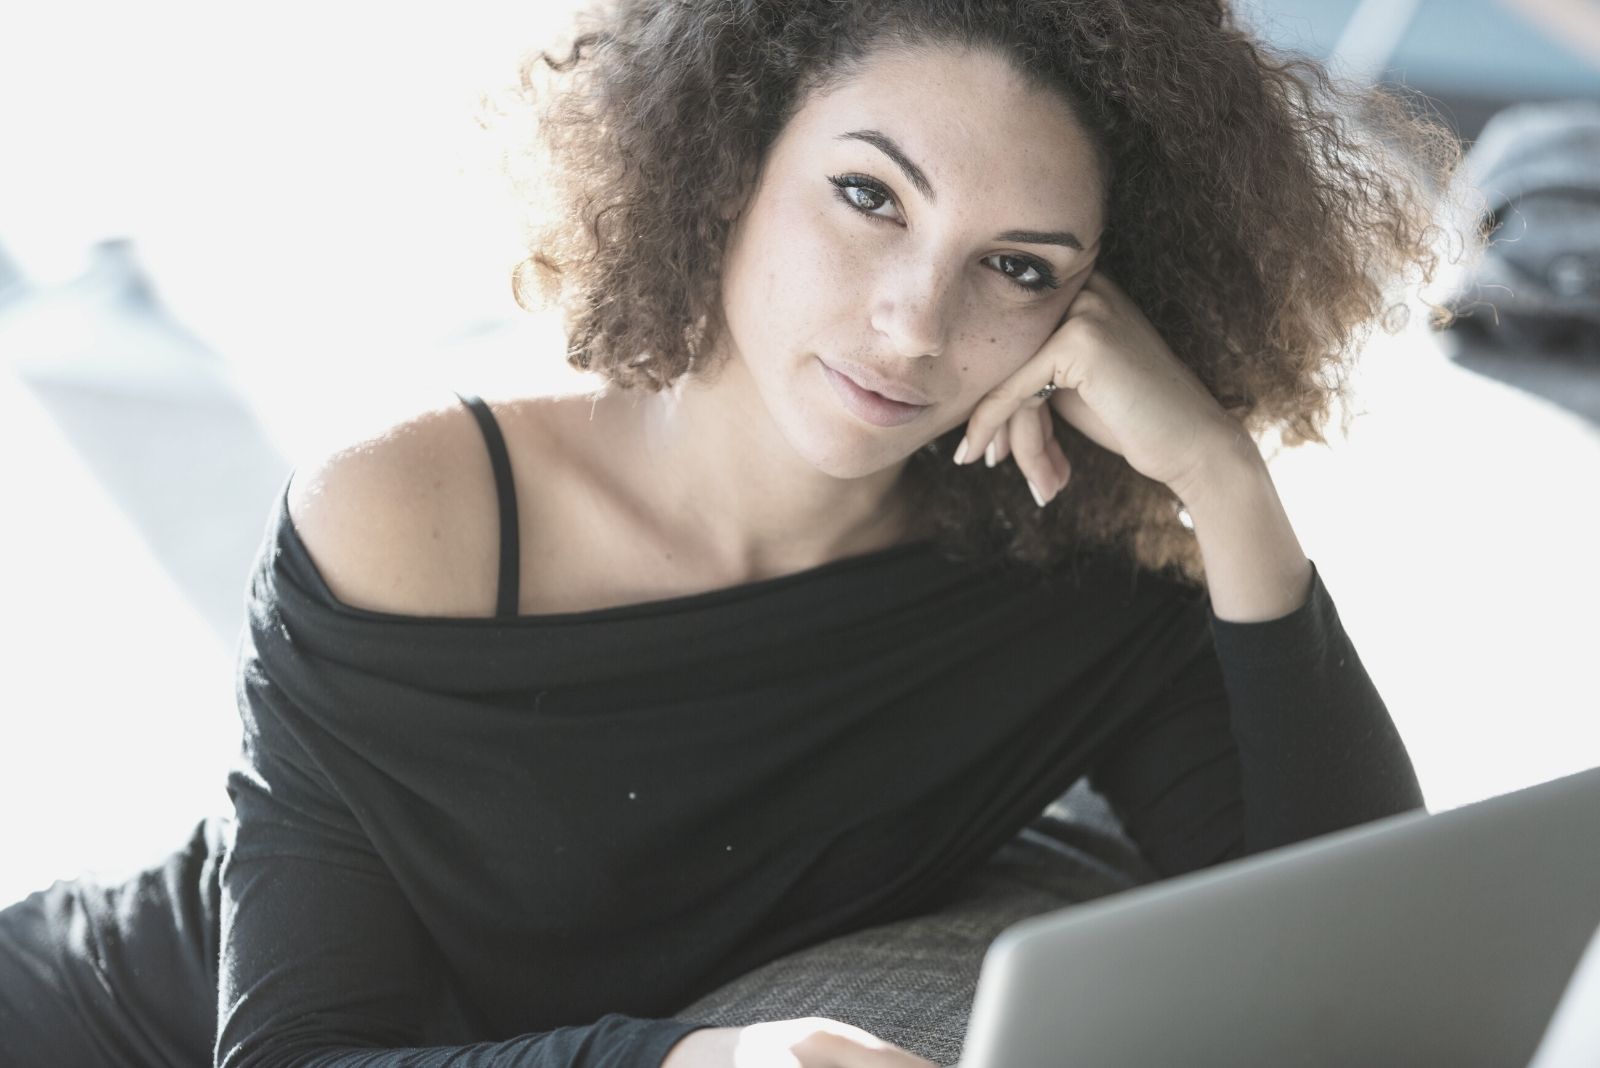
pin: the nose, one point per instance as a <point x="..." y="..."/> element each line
<point x="911" y="310"/>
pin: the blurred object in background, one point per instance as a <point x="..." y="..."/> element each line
<point x="1538" y="283"/>
<point x="304" y="189"/>
<point x="1473" y="58"/>
<point x="1497" y="72"/>
<point x="11" y="283"/>
<point x="228" y="237"/>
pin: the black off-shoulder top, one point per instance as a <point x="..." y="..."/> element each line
<point x="529" y="839"/>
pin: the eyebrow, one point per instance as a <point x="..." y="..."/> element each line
<point x="914" y="174"/>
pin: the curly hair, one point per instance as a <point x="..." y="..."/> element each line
<point x="1258" y="213"/>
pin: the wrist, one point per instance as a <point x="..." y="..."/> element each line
<point x="1233" y="467"/>
<point x="1255" y="567"/>
<point x="709" y="1047"/>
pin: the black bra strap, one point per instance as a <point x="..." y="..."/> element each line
<point x="510" y="565"/>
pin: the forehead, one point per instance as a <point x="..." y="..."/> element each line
<point x="969" y="119"/>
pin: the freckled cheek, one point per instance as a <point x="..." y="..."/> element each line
<point x="830" y="264"/>
<point x="803" y="265"/>
<point x="999" y="339"/>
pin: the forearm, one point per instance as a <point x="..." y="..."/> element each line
<point x="1318" y="750"/>
<point x="1255" y="567"/>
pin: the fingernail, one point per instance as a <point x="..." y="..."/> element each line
<point x="961" y="450"/>
<point x="1035" y="491"/>
<point x="988" y="454"/>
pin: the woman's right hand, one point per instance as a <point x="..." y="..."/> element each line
<point x="812" y="1042"/>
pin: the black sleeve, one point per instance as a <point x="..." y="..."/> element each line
<point x="323" y="962"/>
<point x="1270" y="734"/>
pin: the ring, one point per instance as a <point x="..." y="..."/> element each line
<point x="1046" y="391"/>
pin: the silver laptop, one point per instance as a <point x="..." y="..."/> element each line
<point x="1573" y="1038"/>
<point x="1418" y="940"/>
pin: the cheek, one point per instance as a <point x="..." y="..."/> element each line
<point x="824" y="260"/>
<point x="999" y="338"/>
<point x="804" y="256"/>
<point x="793" y="267"/>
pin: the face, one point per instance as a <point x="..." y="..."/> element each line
<point x="886" y="238"/>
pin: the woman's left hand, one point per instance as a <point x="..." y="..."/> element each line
<point x="1119" y="383"/>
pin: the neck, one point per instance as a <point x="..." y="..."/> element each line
<point x="716" y="479"/>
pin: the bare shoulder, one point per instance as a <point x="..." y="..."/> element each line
<point x="404" y="518"/>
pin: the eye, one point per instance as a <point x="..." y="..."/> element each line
<point x="847" y="188"/>
<point x="1043" y="276"/>
<point x="866" y="196"/>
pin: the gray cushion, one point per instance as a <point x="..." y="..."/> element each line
<point x="911" y="982"/>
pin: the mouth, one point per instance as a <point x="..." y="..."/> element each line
<point x="868" y="405"/>
<point x="879" y="386"/>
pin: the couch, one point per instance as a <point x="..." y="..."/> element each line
<point x="911" y="982"/>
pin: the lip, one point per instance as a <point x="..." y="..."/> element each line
<point x="868" y="406"/>
<point x="873" y="383"/>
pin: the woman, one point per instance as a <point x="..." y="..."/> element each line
<point x="750" y="649"/>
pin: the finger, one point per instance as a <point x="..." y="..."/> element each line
<point x="1002" y="402"/>
<point x="1071" y="406"/>
<point x="1062" y="464"/>
<point x="1059" y="467"/>
<point x="1027" y="448"/>
<point x="1100" y="281"/>
<point x="840" y="1029"/>
<point x="1054" y="458"/>
<point x="833" y="1049"/>
<point x="822" y="1028"/>
<point x="1000" y="447"/>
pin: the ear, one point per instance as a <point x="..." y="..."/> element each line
<point x="733" y="207"/>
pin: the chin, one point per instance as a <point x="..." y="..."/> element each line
<point x="827" y="437"/>
<point x="834" y="443"/>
